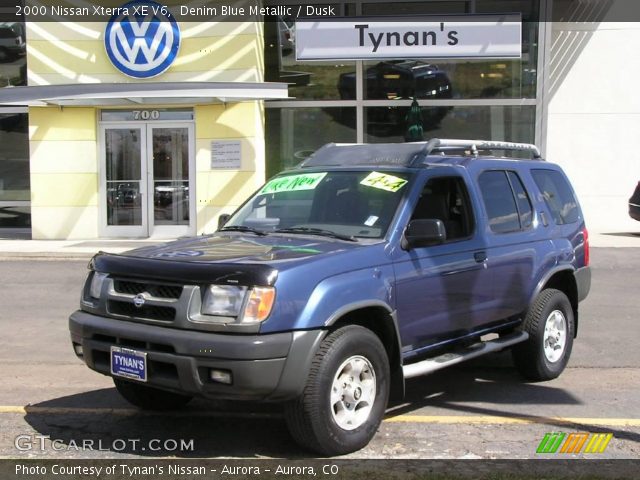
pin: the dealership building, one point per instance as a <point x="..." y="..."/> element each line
<point x="151" y="128"/>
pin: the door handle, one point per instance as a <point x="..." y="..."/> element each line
<point x="480" y="256"/>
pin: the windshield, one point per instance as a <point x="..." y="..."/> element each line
<point x="349" y="204"/>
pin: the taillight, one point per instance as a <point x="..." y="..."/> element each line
<point x="585" y="234"/>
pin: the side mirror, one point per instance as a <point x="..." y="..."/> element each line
<point x="424" y="233"/>
<point x="222" y="219"/>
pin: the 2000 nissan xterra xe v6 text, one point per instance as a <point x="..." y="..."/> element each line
<point x="339" y="279"/>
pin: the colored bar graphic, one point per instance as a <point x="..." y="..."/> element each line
<point x="598" y="443"/>
<point x="574" y="443"/>
<point x="551" y="442"/>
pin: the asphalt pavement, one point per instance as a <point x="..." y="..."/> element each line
<point x="51" y="403"/>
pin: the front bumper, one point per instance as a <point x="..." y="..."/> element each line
<point x="263" y="367"/>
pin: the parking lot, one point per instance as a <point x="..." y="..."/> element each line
<point x="52" y="406"/>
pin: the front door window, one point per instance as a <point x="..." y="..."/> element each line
<point x="170" y="176"/>
<point x="124" y="177"/>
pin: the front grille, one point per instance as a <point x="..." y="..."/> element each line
<point x="153" y="289"/>
<point x="131" y="343"/>
<point x="148" y="312"/>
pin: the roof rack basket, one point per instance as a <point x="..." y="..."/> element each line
<point x="476" y="145"/>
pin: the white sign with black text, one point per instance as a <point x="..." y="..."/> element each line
<point x="435" y="36"/>
<point x="226" y="154"/>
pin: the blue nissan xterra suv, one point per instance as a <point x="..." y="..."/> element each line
<point x="337" y="280"/>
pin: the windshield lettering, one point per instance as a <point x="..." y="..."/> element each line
<point x="384" y="181"/>
<point x="293" y="183"/>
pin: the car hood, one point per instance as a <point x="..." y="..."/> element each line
<point x="233" y="258"/>
<point x="243" y="248"/>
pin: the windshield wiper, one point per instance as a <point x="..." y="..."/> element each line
<point x="242" y="228"/>
<point x="317" y="231"/>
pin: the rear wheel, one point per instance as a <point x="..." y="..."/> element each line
<point x="150" y="398"/>
<point x="550" y="325"/>
<point x="345" y="396"/>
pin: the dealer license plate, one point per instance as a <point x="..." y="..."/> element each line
<point x="129" y="363"/>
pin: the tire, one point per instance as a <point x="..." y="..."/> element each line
<point x="321" y="419"/>
<point x="550" y="325"/>
<point x="150" y="398"/>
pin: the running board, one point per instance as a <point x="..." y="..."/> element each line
<point x="452" y="358"/>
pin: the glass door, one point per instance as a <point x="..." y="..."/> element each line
<point x="125" y="181"/>
<point x="170" y="168"/>
<point x="147" y="180"/>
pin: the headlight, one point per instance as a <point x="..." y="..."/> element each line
<point x="259" y="304"/>
<point x="223" y="300"/>
<point x="247" y="306"/>
<point x="96" y="284"/>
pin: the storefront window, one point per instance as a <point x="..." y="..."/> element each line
<point x="15" y="211"/>
<point x="15" y="217"/>
<point x="424" y="79"/>
<point x="307" y="81"/>
<point x="369" y="100"/>
<point x="508" y="123"/>
<point x="14" y="157"/>
<point x="294" y="133"/>
<point x="13" y="64"/>
<point x="14" y="170"/>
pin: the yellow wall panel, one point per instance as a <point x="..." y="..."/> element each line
<point x="64" y="189"/>
<point x="64" y="157"/>
<point x="231" y="75"/>
<point x="225" y="188"/>
<point x="49" y="223"/>
<point x="232" y="120"/>
<point x="208" y="217"/>
<point x="68" y="123"/>
<point x="89" y="59"/>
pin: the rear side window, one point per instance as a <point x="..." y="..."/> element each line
<point x="499" y="201"/>
<point x="557" y="195"/>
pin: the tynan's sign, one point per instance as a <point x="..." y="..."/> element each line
<point x="455" y="36"/>
<point x="143" y="39"/>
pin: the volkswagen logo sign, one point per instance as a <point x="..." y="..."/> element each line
<point x="139" y="300"/>
<point x="142" y="40"/>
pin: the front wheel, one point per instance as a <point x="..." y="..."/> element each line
<point x="150" y="398"/>
<point x="550" y="325"/>
<point x="345" y="396"/>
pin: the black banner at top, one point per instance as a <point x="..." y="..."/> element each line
<point x="256" y="10"/>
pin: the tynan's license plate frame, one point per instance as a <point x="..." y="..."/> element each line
<point x="128" y="363"/>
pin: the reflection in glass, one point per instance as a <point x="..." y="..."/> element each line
<point x="15" y="217"/>
<point x="307" y="80"/>
<point x="14" y="157"/>
<point x="171" y="176"/>
<point x="292" y="134"/>
<point x="505" y="123"/>
<point x="123" y="158"/>
<point x="13" y="47"/>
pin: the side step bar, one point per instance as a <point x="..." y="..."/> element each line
<point x="446" y="360"/>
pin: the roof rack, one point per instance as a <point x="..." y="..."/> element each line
<point x="475" y="145"/>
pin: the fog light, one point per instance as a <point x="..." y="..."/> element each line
<point x="78" y="349"/>
<point x="221" y="376"/>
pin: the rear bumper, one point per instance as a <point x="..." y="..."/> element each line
<point x="583" y="282"/>
<point x="263" y="367"/>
